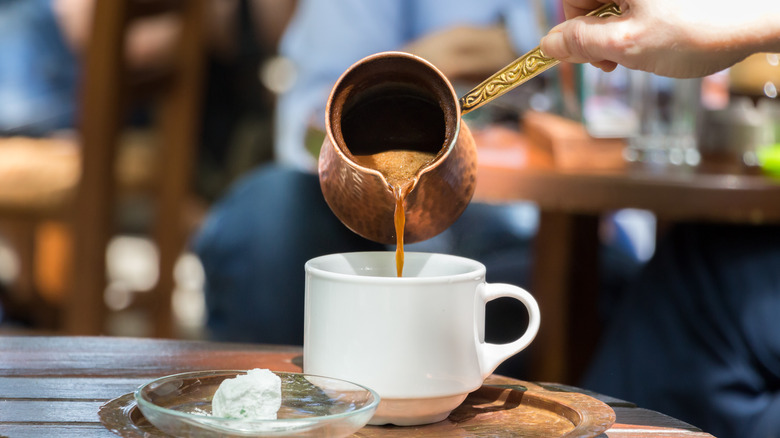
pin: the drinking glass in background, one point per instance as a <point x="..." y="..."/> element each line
<point x="669" y="111"/>
<point x="657" y="115"/>
<point x="747" y="131"/>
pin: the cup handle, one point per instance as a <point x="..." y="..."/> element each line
<point x="491" y="355"/>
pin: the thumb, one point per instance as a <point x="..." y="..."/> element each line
<point x="582" y="39"/>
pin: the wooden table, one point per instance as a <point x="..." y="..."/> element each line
<point x="54" y="386"/>
<point x="572" y="194"/>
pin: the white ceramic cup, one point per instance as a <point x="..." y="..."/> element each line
<point x="418" y="340"/>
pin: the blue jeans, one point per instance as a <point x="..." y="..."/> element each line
<point x="697" y="336"/>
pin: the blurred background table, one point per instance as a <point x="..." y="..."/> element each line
<point x="575" y="180"/>
<point x="54" y="386"/>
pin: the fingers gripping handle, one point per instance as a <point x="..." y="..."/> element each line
<point x="491" y="355"/>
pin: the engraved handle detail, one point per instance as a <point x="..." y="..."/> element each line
<point x="519" y="71"/>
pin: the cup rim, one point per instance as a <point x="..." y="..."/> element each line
<point x="477" y="271"/>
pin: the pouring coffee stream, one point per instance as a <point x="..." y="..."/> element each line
<point x="397" y="162"/>
<point x="399" y="168"/>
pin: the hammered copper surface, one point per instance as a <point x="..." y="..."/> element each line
<point x="360" y="197"/>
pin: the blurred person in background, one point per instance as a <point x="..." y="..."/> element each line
<point x="697" y="335"/>
<point x="257" y="239"/>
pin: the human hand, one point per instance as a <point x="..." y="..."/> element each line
<point x="466" y="52"/>
<point x="673" y="38"/>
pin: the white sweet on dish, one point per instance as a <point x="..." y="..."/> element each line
<point x="256" y="395"/>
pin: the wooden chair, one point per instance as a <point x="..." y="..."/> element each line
<point x="109" y="90"/>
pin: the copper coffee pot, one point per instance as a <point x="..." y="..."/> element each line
<point x="401" y="101"/>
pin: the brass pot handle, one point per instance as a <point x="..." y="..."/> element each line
<point x="519" y="71"/>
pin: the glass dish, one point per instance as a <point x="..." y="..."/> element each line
<point x="180" y="405"/>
